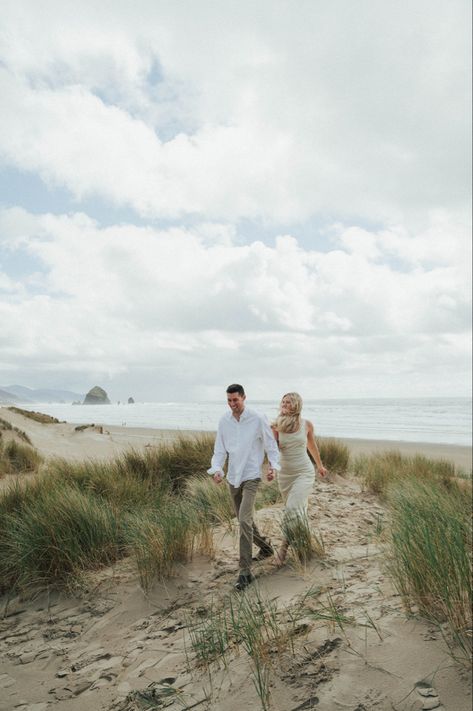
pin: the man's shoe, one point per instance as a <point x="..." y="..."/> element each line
<point x="265" y="552"/>
<point x="243" y="582"/>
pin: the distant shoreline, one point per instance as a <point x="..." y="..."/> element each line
<point x="438" y="420"/>
<point x="461" y="455"/>
<point x="65" y="441"/>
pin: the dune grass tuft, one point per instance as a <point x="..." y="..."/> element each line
<point x="430" y="553"/>
<point x="17" y="458"/>
<point x="212" y="500"/>
<point x="303" y="542"/>
<point x="185" y="457"/>
<point x="79" y="516"/>
<point x="51" y="534"/>
<point x="334" y="454"/>
<point x="36" y="416"/>
<point x="268" y="495"/>
<point x="248" y="623"/>
<point x="378" y="471"/>
<point x="158" y="539"/>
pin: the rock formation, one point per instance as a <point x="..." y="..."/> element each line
<point x="130" y="401"/>
<point x="96" y="396"/>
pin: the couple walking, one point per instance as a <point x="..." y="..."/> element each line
<point x="244" y="436"/>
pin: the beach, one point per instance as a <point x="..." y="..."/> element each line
<point x="111" y="641"/>
<point x="64" y="440"/>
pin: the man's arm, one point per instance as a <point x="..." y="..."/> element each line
<point x="271" y="448"/>
<point x="219" y="455"/>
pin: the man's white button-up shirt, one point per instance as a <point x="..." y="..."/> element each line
<point x="245" y="442"/>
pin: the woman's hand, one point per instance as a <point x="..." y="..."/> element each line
<point x="322" y="471"/>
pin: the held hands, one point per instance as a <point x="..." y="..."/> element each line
<point x="218" y="478"/>
<point x="322" y="471"/>
<point x="271" y="474"/>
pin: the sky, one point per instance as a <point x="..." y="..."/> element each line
<point x="195" y="193"/>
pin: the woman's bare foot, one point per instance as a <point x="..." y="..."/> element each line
<point x="280" y="555"/>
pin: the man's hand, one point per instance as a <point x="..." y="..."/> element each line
<point x="218" y="478"/>
<point x="322" y="471"/>
<point x="271" y="474"/>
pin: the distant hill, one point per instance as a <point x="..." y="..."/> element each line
<point x="8" y="397"/>
<point x="19" y="393"/>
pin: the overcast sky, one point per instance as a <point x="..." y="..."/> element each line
<point x="274" y="192"/>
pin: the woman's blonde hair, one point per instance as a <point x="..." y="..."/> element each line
<point x="291" y="422"/>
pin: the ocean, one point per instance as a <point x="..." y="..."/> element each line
<point x="440" y="420"/>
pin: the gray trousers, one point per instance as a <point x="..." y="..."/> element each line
<point x="243" y="498"/>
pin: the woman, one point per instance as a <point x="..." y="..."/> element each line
<point x="295" y="437"/>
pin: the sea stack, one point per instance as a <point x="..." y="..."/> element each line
<point x="96" y="396"/>
<point x="130" y="401"/>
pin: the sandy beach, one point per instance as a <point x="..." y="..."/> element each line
<point x="63" y="440"/>
<point x="97" y="651"/>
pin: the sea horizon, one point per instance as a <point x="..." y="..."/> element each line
<point x="441" y="420"/>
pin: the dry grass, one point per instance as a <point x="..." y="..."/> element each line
<point x="430" y="554"/>
<point x="17" y="458"/>
<point x="8" y="427"/>
<point x="79" y="516"/>
<point x="36" y="416"/>
<point x="379" y="471"/>
<point x="334" y="454"/>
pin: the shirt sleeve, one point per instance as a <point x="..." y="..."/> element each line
<point x="270" y="444"/>
<point x="219" y="455"/>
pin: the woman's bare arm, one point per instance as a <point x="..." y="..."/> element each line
<point x="313" y="449"/>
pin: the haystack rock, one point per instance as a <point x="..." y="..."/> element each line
<point x="96" y="396"/>
<point x="130" y="401"/>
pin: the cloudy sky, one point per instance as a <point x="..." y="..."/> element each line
<point x="197" y="192"/>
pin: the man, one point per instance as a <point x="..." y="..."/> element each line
<point x="243" y="435"/>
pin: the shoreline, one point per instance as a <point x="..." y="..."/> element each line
<point x="64" y="440"/>
<point x="460" y="454"/>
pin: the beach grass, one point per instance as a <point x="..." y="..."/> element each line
<point x="18" y="458"/>
<point x="126" y="487"/>
<point x="173" y="463"/>
<point x="212" y="500"/>
<point x="429" y="537"/>
<point x="247" y="624"/>
<point x="36" y="416"/>
<point x="253" y="627"/>
<point x="7" y="426"/>
<point x="378" y="471"/>
<point x="335" y="455"/>
<point x="162" y="537"/>
<point x="268" y="495"/>
<point x="79" y="516"/>
<point x="430" y="554"/>
<point x="50" y="535"/>
<point x="303" y="542"/>
<point x="53" y="531"/>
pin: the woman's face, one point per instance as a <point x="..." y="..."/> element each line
<point x="286" y="406"/>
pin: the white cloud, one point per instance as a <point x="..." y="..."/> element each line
<point x="255" y="112"/>
<point x="351" y="116"/>
<point x="127" y="297"/>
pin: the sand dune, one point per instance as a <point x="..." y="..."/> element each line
<point x="93" y="652"/>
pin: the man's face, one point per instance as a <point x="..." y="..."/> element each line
<point x="236" y="403"/>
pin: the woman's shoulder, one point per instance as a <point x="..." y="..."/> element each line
<point x="308" y="425"/>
